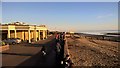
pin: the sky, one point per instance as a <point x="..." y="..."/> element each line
<point x="63" y="16"/>
<point x="60" y="0"/>
<point x="0" y="11"/>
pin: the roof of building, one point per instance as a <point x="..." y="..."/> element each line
<point x="21" y="24"/>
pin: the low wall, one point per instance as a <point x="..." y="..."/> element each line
<point x="3" y="48"/>
<point x="66" y="50"/>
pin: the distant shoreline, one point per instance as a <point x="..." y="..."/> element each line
<point x="101" y="32"/>
<point x="106" y="36"/>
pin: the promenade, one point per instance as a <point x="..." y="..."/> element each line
<point x="30" y="54"/>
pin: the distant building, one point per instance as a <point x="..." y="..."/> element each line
<point x="23" y="31"/>
<point x="71" y="32"/>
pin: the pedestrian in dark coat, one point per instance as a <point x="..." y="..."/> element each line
<point x="43" y="50"/>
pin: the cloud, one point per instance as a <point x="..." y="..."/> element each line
<point x="104" y="16"/>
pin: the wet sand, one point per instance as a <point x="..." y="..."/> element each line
<point x="90" y="52"/>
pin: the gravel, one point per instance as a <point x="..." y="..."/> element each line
<point x="86" y="52"/>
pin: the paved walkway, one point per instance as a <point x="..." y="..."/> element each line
<point x="50" y="59"/>
<point x="30" y="55"/>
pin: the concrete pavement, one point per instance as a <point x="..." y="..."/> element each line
<point x="30" y="54"/>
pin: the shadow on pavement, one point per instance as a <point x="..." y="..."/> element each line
<point x="17" y="54"/>
<point x="38" y="59"/>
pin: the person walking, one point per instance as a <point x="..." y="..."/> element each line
<point x="43" y="50"/>
<point x="57" y="38"/>
<point x="67" y="62"/>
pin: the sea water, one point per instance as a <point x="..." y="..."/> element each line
<point x="100" y="32"/>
